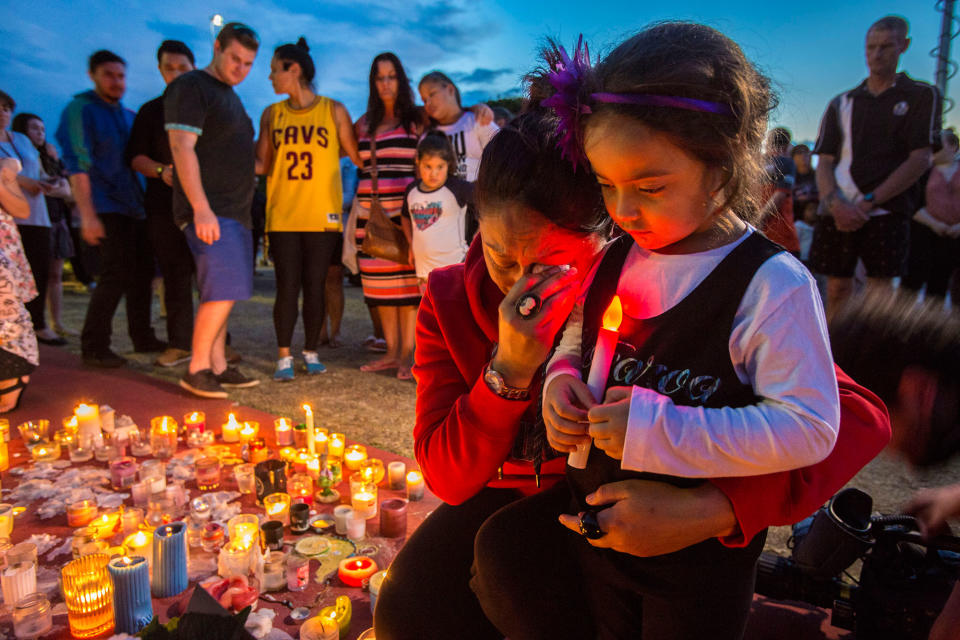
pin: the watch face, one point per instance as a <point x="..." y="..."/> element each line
<point x="493" y="380"/>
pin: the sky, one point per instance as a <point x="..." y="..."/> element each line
<point x="812" y="49"/>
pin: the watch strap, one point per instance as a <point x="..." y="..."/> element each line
<point x="501" y="388"/>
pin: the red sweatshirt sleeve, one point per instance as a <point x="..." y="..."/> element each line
<point x="790" y="496"/>
<point x="463" y="431"/>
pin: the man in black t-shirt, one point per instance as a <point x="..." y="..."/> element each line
<point x="148" y="152"/>
<point x="875" y="142"/>
<point x="211" y="139"/>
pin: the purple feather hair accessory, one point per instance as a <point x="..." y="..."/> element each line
<point x="567" y="77"/>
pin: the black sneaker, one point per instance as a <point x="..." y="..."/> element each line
<point x="153" y="345"/>
<point x="231" y="378"/>
<point x="104" y="359"/>
<point x="203" y="383"/>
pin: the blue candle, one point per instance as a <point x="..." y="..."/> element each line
<point x="169" y="560"/>
<point x="132" y="607"/>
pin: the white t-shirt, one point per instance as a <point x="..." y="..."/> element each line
<point x="778" y="345"/>
<point x="439" y="220"/>
<point x="468" y="139"/>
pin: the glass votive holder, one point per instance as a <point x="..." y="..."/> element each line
<point x="274" y="574"/>
<point x="233" y="560"/>
<point x="356" y="527"/>
<point x="18" y="580"/>
<point x="244" y="529"/>
<point x="139" y="443"/>
<point x="300" y="436"/>
<point x="396" y="471"/>
<point x="272" y="531"/>
<point x="45" y="451"/>
<point x="211" y="537"/>
<point x="207" y="471"/>
<point x="163" y="436"/>
<point x="4" y="456"/>
<point x="298" y="572"/>
<point x="194" y="422"/>
<point x="299" y="517"/>
<point x="320" y="437"/>
<point x="249" y="431"/>
<point x="283" y="432"/>
<point x="34" y="431"/>
<point x="156" y="472"/>
<point x="335" y="445"/>
<point x="246" y="478"/>
<point x="364" y="500"/>
<point x="354" y="456"/>
<point x="341" y="514"/>
<point x="6" y="520"/>
<point x="80" y="448"/>
<point x="123" y="473"/>
<point x="130" y="520"/>
<point x="373" y="469"/>
<point x="88" y="593"/>
<point x="300" y="488"/>
<point x="23" y="552"/>
<point x="277" y="506"/>
<point x="32" y="617"/>
<point x="81" y="513"/>
<point x="257" y="450"/>
<point x="159" y="511"/>
<point x="356" y="481"/>
<point x="141" y="491"/>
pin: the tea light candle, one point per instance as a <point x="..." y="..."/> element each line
<point x="277" y="506"/>
<point x="353" y="571"/>
<point x="336" y="444"/>
<point x="396" y="471"/>
<point x="249" y="431"/>
<point x="169" y="560"/>
<point x="105" y="525"/>
<point x="88" y="593"/>
<point x="320" y="437"/>
<point x="313" y="467"/>
<point x="373" y="469"/>
<point x="18" y="581"/>
<point x="341" y="514"/>
<point x="195" y="421"/>
<point x="300" y="488"/>
<point x="393" y="518"/>
<point x="354" y="456"/>
<point x="132" y="606"/>
<point x="46" y="452"/>
<point x="364" y="500"/>
<point x="230" y="431"/>
<point x="233" y="560"/>
<point x="311" y="444"/>
<point x="139" y="445"/>
<point x="414" y="486"/>
<point x="82" y="513"/>
<point x="163" y="436"/>
<point x="283" y="432"/>
<point x="207" y="473"/>
<point x="140" y="544"/>
<point x="123" y="473"/>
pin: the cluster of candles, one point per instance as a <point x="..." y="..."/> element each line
<point x="123" y="556"/>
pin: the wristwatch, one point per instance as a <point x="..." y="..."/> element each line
<point x="496" y="383"/>
<point x="160" y="169"/>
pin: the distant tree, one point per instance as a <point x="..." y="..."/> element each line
<point x="515" y="105"/>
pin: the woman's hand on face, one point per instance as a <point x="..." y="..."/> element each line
<point x="608" y="421"/>
<point x="565" y="404"/>
<point x="648" y="518"/>
<point x="525" y="342"/>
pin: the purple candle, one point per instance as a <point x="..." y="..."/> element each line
<point x="393" y="518"/>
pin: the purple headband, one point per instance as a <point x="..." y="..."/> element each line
<point x="568" y="76"/>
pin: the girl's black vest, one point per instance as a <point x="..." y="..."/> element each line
<point x="682" y="353"/>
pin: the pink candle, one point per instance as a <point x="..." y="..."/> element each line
<point x="123" y="472"/>
<point x="195" y="421"/>
<point x="283" y="431"/>
<point x="603" y="354"/>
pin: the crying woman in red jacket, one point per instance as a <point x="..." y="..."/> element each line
<point x="494" y="560"/>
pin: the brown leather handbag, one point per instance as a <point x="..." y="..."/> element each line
<point x="382" y="238"/>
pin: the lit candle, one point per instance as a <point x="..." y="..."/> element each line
<point x="233" y="560"/>
<point x="46" y="452"/>
<point x="338" y="614"/>
<point x="354" y="456"/>
<point x="283" y="432"/>
<point x="88" y="594"/>
<point x="603" y="354"/>
<point x="106" y="525"/>
<point x="353" y="571"/>
<point x="230" y="431"/>
<point x="140" y="544"/>
<point x="132" y="606"/>
<point x="207" y="473"/>
<point x="163" y="436"/>
<point x="414" y="486"/>
<point x="88" y="419"/>
<point x="195" y="421"/>
<point x="396" y="470"/>
<point x="277" y="506"/>
<point x="373" y="469"/>
<point x="300" y="488"/>
<point x="313" y="467"/>
<point x="249" y="431"/>
<point x="311" y="445"/>
<point x="82" y="513"/>
<point x="4" y="456"/>
<point x="4" y="430"/>
<point x="364" y="500"/>
<point x="130" y="520"/>
<point x="288" y="454"/>
<point x="320" y="436"/>
<point x="169" y="560"/>
<point x="244" y="529"/>
<point x="335" y="445"/>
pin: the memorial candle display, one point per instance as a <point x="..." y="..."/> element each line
<point x="414" y="486"/>
<point x="169" y="560"/>
<point x="311" y="444"/>
<point x="132" y="606"/>
<point x="230" y="431"/>
<point x="353" y="571"/>
<point x="603" y="353"/>
<point x="354" y="456"/>
<point x="283" y="432"/>
<point x="88" y="594"/>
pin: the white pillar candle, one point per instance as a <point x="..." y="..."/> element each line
<point x="311" y="436"/>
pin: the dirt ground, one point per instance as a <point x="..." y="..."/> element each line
<point x="378" y="409"/>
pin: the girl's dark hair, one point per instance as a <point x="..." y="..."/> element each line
<point x="299" y="53"/>
<point x="52" y="166"/>
<point x="442" y="79"/>
<point x="436" y="143"/>
<point x="691" y="61"/>
<point x="405" y="109"/>
<point x="522" y="164"/>
<point x="21" y="120"/>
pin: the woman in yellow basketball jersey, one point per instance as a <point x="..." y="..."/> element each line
<point x="299" y="149"/>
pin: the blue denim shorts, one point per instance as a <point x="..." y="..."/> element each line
<point x="224" y="268"/>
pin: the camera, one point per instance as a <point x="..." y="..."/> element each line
<point x="904" y="579"/>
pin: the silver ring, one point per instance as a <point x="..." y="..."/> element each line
<point x="529" y="305"/>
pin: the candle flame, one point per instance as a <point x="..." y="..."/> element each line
<point x="232" y="419"/>
<point x="307" y="409"/>
<point x="413" y="476"/>
<point x="613" y="316"/>
<point x="194" y="417"/>
<point x="140" y="539"/>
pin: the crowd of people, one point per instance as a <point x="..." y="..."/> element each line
<point x="648" y="183"/>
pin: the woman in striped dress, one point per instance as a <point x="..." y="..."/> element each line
<point x="389" y="288"/>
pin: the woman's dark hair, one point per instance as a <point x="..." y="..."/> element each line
<point x="405" y="109"/>
<point x="239" y="32"/>
<point x="52" y="166"/>
<point x="21" y="120"/>
<point x="175" y="47"/>
<point x="7" y="101"/>
<point x="299" y="53"/>
<point x="103" y="57"/>
<point x="687" y="60"/>
<point x="522" y="164"/>
<point x="436" y="143"/>
<point x="442" y="79"/>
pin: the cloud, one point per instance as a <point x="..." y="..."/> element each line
<point x="480" y="75"/>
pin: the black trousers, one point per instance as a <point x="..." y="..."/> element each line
<point x="931" y="261"/>
<point x="301" y="260"/>
<point x="176" y="266"/>
<point x="127" y="272"/>
<point x="36" y="246"/>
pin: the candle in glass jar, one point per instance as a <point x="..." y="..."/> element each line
<point x="311" y="444"/>
<point x="156" y="472"/>
<point x="353" y="571"/>
<point x="195" y="421"/>
<point x="298" y="572"/>
<point x="233" y="560"/>
<point x="46" y="452"/>
<point x="106" y="524"/>
<point x="336" y="444"/>
<point x="274" y="575"/>
<point x="364" y="500"/>
<point x="414" y="486"/>
<point x="396" y="471"/>
<point x="4" y="456"/>
<point x="354" y="456"/>
<point x="130" y="520"/>
<point x="163" y="436"/>
<point x="207" y="473"/>
<point x="283" y="432"/>
<point x="18" y="581"/>
<point x="246" y="479"/>
<point x="244" y="529"/>
<point x="82" y="513"/>
<point x="300" y="488"/>
<point x="123" y="473"/>
<point x="313" y="467"/>
<point x="211" y="537"/>
<point x="258" y="450"/>
<point x="277" y="506"/>
<point x="139" y="443"/>
<point x="341" y="513"/>
<point x="4" y="430"/>
<point x="248" y="431"/>
<point x="141" y="491"/>
<point x="88" y="419"/>
<point x="373" y="470"/>
<point x="88" y="593"/>
<point x="320" y="437"/>
<point x="230" y="431"/>
<point x="140" y="544"/>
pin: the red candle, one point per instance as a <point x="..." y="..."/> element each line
<point x="393" y="518"/>
<point x="353" y="571"/>
<point x="195" y="421"/>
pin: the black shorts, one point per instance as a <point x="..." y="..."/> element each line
<point x="336" y="258"/>
<point x="882" y="243"/>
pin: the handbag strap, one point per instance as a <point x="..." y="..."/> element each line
<point x="373" y="167"/>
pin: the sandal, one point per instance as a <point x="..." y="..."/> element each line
<point x="19" y="384"/>
<point x="379" y="365"/>
<point x="404" y="373"/>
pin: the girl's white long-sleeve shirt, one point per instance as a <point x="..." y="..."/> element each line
<point x="778" y="345"/>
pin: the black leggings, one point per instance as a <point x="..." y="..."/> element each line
<point x="301" y="260"/>
<point x="36" y="246"/>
